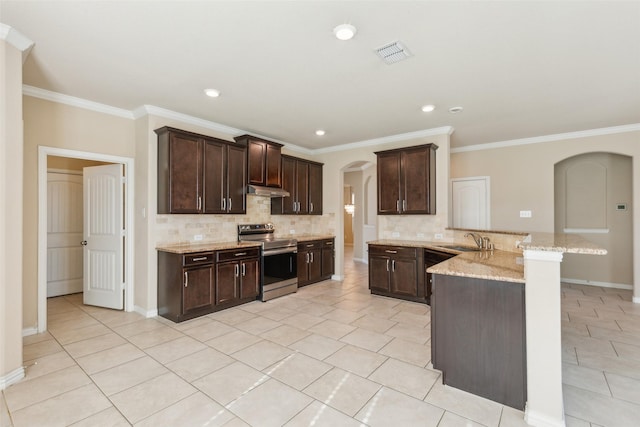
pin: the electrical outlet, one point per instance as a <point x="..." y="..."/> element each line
<point x="525" y="214"/>
<point x="197" y="237"/>
<point x="438" y="236"/>
<point x="395" y="234"/>
<point x="292" y="231"/>
<point x="421" y="235"/>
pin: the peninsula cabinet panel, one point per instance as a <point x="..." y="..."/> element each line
<point x="478" y="337"/>
<point x="407" y="180"/>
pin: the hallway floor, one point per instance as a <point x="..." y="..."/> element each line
<point x="329" y="355"/>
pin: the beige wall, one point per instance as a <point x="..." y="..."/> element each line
<point x="57" y="125"/>
<point x="70" y="164"/>
<point x="11" y="194"/>
<point x="522" y="178"/>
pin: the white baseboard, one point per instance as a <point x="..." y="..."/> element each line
<point x="145" y="313"/>
<point x="537" y="419"/>
<point x="362" y="260"/>
<point x="636" y="300"/>
<point x="337" y="277"/>
<point x="29" y="331"/>
<point x="12" y="377"/>
<point x="594" y="283"/>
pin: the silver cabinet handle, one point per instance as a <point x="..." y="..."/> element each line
<point x="310" y="206"/>
<point x="244" y="269"/>
<point x="391" y="252"/>
<point x="186" y="279"/>
<point x="229" y="203"/>
<point x="307" y="257"/>
<point x="393" y="265"/>
<point x="310" y="245"/>
<point x="199" y="203"/>
<point x="202" y="258"/>
<point x="387" y="265"/>
<point x="224" y="204"/>
<point x="237" y="270"/>
<point x="311" y="253"/>
<point x="240" y="254"/>
<point x="404" y="205"/>
<point x="398" y="205"/>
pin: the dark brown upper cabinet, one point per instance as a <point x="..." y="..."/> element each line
<point x="263" y="161"/>
<point x="200" y="174"/>
<point x="407" y="180"/>
<point x="303" y="180"/>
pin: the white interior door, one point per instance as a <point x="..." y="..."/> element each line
<point x="470" y="203"/>
<point x="103" y="283"/>
<point x="64" y="233"/>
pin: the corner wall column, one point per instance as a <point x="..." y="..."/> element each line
<point x="545" y="407"/>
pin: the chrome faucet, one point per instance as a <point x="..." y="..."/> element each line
<point x="476" y="238"/>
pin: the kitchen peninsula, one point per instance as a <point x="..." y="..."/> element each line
<point x="508" y="292"/>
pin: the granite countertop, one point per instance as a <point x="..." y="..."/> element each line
<point x="491" y="265"/>
<point x="421" y="244"/>
<point x="310" y="237"/>
<point x="185" y="248"/>
<point x="560" y="242"/>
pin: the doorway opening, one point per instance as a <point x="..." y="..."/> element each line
<point x="358" y="200"/>
<point x="49" y="156"/>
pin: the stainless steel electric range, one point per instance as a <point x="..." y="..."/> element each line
<point x="279" y="272"/>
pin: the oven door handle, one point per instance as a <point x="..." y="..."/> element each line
<point x="280" y="251"/>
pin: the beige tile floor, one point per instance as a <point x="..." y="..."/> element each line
<point x="330" y="355"/>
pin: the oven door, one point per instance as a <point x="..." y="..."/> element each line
<point x="279" y="272"/>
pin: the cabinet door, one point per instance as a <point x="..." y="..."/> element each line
<point x="303" y="266"/>
<point x="197" y="288"/>
<point x="227" y="277"/>
<point x="250" y="274"/>
<point x="236" y="165"/>
<point x="415" y="181"/>
<point x="315" y="264"/>
<point x="388" y="183"/>
<point x="404" y="277"/>
<point x="273" y="164"/>
<point x="379" y="268"/>
<point x="328" y="259"/>
<point x="214" y="177"/>
<point x="302" y="187"/>
<point x="315" y="189"/>
<point x="185" y="174"/>
<point x="287" y="204"/>
<point x="257" y="153"/>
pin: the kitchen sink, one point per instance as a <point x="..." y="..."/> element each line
<point x="460" y="248"/>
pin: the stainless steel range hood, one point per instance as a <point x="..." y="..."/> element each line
<point x="257" y="190"/>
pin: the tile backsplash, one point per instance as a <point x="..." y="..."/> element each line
<point x="177" y="229"/>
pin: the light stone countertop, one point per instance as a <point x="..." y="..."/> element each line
<point x="420" y="244"/>
<point x="560" y="242"/>
<point x="185" y="248"/>
<point x="310" y="237"/>
<point x="491" y="265"/>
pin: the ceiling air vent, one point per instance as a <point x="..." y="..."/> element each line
<point x="393" y="52"/>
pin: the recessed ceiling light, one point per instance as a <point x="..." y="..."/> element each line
<point x="214" y="93"/>
<point x="344" y="31"/>
<point x="320" y="132"/>
<point x="455" y="110"/>
<point x="428" y="108"/>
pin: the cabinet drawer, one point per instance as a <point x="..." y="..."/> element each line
<point x="327" y="243"/>
<point x="394" y="251"/>
<point x="197" y="258"/>
<point x="232" y="254"/>
<point x="305" y="246"/>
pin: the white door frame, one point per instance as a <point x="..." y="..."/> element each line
<point x="128" y="162"/>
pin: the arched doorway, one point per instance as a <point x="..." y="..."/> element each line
<point x="593" y="199"/>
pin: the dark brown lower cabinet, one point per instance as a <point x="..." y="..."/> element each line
<point x="397" y="271"/>
<point x="478" y="337"/>
<point x="316" y="261"/>
<point x="195" y="284"/>
<point x="431" y="258"/>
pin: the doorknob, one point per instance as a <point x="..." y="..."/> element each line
<point x="83" y="243"/>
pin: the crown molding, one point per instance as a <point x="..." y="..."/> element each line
<point x="548" y="138"/>
<point x="444" y="130"/>
<point x="16" y="39"/>
<point x="75" y="102"/>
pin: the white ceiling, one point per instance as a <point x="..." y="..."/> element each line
<point x="519" y="69"/>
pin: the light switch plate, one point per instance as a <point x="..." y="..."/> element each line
<point x="525" y="214"/>
<point x="197" y="237"/>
